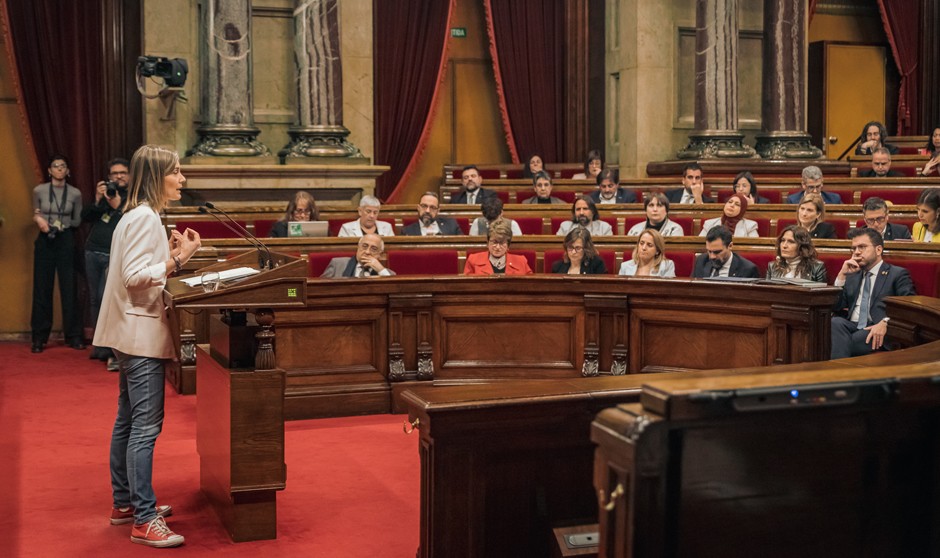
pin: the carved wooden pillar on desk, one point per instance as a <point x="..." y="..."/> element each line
<point x="784" y="86"/>
<point x="228" y="128"/>
<point x="716" y="132"/>
<point x="318" y="131"/>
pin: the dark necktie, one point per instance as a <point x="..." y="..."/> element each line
<point x="715" y="269"/>
<point x="866" y="301"/>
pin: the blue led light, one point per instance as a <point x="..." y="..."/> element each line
<point x="794" y="393"/>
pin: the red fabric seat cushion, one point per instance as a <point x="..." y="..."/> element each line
<point x="423" y="262"/>
<point x="263" y="227"/>
<point x="317" y="261"/>
<point x="529" y="225"/>
<point x="209" y="229"/>
<point x="896" y="196"/>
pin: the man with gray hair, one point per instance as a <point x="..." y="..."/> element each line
<point x="369" y="208"/>
<point x="880" y="165"/>
<point x="812" y="181"/>
<point x="367" y="263"/>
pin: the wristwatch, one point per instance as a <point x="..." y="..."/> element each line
<point x="886" y="319"/>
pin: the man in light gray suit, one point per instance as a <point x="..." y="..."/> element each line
<point x="365" y="264"/>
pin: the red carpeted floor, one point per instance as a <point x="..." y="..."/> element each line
<point x="352" y="483"/>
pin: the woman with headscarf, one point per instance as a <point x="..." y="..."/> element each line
<point x="732" y="218"/>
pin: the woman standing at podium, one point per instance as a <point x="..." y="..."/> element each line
<point x="133" y="321"/>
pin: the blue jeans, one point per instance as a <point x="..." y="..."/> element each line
<point x="139" y="421"/>
<point x="96" y="270"/>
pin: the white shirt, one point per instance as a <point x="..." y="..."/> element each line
<point x="475" y="229"/>
<point x="602" y="200"/>
<point x="596" y="228"/>
<point x="853" y="317"/>
<point x="669" y="228"/>
<point x="687" y="197"/>
<point x="431" y="230"/>
<point x="358" y="271"/>
<point x="745" y="227"/>
<point x="472" y="196"/>
<point x="353" y="228"/>
<point x="726" y="268"/>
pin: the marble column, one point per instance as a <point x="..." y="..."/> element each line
<point x="318" y="130"/>
<point x="716" y="132"/>
<point x="784" y="85"/>
<point x="228" y="128"/>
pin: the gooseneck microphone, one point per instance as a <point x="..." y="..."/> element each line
<point x="265" y="261"/>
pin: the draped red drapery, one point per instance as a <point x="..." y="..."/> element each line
<point x="527" y="46"/>
<point x="410" y="44"/>
<point x="901" y="20"/>
<point x="57" y="64"/>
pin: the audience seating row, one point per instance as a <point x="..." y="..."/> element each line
<point x="506" y="170"/>
<point x="924" y="272"/>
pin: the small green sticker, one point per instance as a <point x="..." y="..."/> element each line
<point x="460" y="32"/>
<point x="292" y="292"/>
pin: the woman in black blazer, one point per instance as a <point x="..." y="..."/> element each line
<point x="580" y="256"/>
<point x="796" y="257"/>
<point x="810" y="214"/>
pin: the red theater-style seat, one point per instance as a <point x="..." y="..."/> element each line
<point x="424" y="262"/>
<point x="529" y="225"/>
<point x="317" y="261"/>
<point x="336" y="225"/>
<point x="209" y="229"/>
<point x="760" y="259"/>
<point x="897" y="197"/>
<point x="263" y="227"/>
<point x="683" y="260"/>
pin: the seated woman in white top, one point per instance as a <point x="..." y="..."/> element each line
<point x="649" y="258"/>
<point x="592" y="166"/>
<point x="733" y="218"/>
<point x="369" y="209"/>
<point x="492" y="208"/>
<point x="656" y="205"/>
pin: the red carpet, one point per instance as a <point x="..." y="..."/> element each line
<point x="352" y="483"/>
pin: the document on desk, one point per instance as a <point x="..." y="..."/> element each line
<point x="227" y="275"/>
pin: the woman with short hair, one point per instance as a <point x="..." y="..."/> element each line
<point x="656" y="205"/>
<point x="497" y="260"/>
<point x="580" y="257"/>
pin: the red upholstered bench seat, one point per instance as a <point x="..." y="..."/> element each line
<point x="263" y="227"/>
<point x="209" y="229"/>
<point x="897" y="196"/>
<point x="317" y="261"/>
<point x="424" y="262"/>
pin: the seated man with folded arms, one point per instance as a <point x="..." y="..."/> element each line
<point x="429" y="223"/>
<point x="609" y="190"/>
<point x="875" y="212"/>
<point x="584" y="214"/>
<point x="693" y="187"/>
<point x="542" y="183"/>
<point x="719" y="260"/>
<point x="880" y="165"/>
<point x="860" y="320"/>
<point x="812" y="181"/>
<point x="367" y="262"/>
<point x="369" y="209"/>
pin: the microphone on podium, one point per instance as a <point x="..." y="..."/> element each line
<point x="265" y="261"/>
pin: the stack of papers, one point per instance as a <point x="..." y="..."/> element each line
<point x="227" y="275"/>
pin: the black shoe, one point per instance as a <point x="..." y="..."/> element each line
<point x="37" y="347"/>
<point x="77" y="344"/>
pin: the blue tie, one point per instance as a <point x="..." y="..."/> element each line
<point x="866" y="301"/>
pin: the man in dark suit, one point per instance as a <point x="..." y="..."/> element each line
<point x="880" y="165"/>
<point x="367" y="262"/>
<point x="812" y="181"/>
<point x="609" y="190"/>
<point x="875" y="212"/>
<point x="472" y="193"/>
<point x="860" y="319"/>
<point x="718" y="259"/>
<point x="693" y="187"/>
<point x="429" y="223"/>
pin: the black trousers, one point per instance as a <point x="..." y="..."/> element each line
<point x="847" y="339"/>
<point x="51" y="257"/>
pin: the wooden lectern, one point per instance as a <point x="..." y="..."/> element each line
<point x="240" y="411"/>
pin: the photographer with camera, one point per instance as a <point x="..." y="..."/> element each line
<point x="57" y="208"/>
<point x="104" y="214"/>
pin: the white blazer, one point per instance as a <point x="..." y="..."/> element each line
<point x="669" y="228"/>
<point x="745" y="227"/>
<point x="596" y="228"/>
<point x="133" y="318"/>
<point x="666" y="269"/>
<point x="353" y="228"/>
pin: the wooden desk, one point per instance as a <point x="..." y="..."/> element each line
<point x="503" y="463"/>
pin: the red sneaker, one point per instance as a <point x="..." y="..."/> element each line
<point x="155" y="533"/>
<point x="120" y="516"/>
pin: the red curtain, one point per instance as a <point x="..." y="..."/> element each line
<point x="57" y="57"/>
<point x="527" y="45"/>
<point x="410" y="41"/>
<point x="901" y="20"/>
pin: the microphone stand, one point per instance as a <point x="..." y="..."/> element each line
<point x="241" y="232"/>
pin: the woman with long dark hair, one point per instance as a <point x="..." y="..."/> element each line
<point x="796" y="257"/>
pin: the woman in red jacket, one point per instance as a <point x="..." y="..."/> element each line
<point x="497" y="260"/>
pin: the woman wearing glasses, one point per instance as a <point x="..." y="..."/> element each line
<point x="57" y="211"/>
<point x="302" y="208"/>
<point x="580" y="256"/>
<point x="497" y="260"/>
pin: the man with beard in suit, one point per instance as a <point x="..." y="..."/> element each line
<point x="719" y="260"/>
